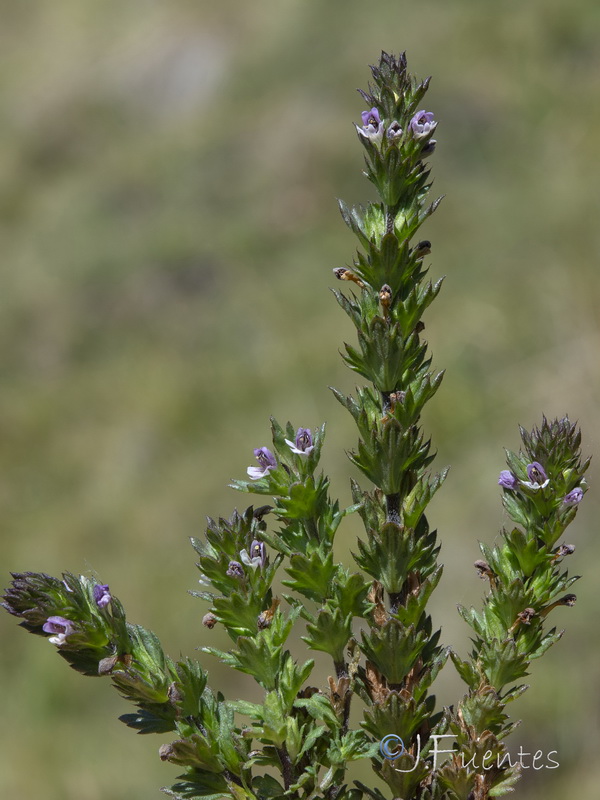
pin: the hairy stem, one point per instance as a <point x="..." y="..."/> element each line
<point x="287" y="769"/>
<point x="392" y="508"/>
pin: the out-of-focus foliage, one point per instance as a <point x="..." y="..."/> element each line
<point x="168" y="175"/>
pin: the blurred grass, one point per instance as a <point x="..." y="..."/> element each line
<point x="168" y="175"/>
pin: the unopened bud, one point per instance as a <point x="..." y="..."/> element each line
<point x="422" y="248"/>
<point x="174" y="694"/>
<point x="396" y="398"/>
<point x="165" y="751"/>
<point x="306" y="693"/>
<point x="564" y="550"/>
<point x="385" y="298"/>
<point x="526" y="615"/>
<point x="265" y="618"/>
<point x="428" y="149"/>
<point x="484" y="569"/>
<point x="385" y="295"/>
<point x="261" y="511"/>
<point x="568" y="600"/>
<point x="343" y="274"/>
<point x="209" y="620"/>
<point x="106" y="665"/>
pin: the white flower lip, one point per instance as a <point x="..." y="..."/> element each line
<point x="297" y="450"/>
<point x="535" y="486"/>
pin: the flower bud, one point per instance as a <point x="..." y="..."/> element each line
<point x="343" y="274"/>
<point x="394" y="132"/>
<point x="527" y="615"/>
<point x="165" y="751"/>
<point x="568" y="600"/>
<point x="428" y="149"/>
<point x="261" y="511"/>
<point x="574" y="497"/>
<point x="106" y="665"/>
<point x="102" y="595"/>
<point x="507" y="480"/>
<point x="565" y="550"/>
<point x="484" y="569"/>
<point x="209" y="620"/>
<point x="422" y="248"/>
<point x="174" y="694"/>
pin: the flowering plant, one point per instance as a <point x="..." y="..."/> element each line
<point x="298" y="742"/>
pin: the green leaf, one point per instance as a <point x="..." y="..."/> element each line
<point x="330" y="633"/>
<point x="393" y="649"/>
<point x="389" y="555"/>
<point x="466" y="670"/>
<point x="239" y="613"/>
<point x="311" y="738"/>
<point x="267" y="788"/>
<point x="274" y="726"/>
<point x="145" y="721"/>
<point x="205" y="785"/>
<point x="319" y="707"/>
<point x="355" y="745"/>
<point x="254" y="710"/>
<point x="303" y="501"/>
<point x="349" y="593"/>
<point x="291" y="678"/>
<point x="311" y="574"/>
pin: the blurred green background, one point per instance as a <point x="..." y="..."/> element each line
<point x="168" y="227"/>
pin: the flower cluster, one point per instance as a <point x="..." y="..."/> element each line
<point x="542" y="489"/>
<point x="537" y="479"/>
<point x="62" y="627"/>
<point x="302" y="446"/>
<point x="421" y="126"/>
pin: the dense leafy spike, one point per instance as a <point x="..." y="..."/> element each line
<point x="541" y="491"/>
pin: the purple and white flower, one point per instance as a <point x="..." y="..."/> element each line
<point x="102" y="595"/>
<point x="303" y="444"/>
<point x="257" y="556"/>
<point x="574" y="497"/>
<point x="235" y="570"/>
<point x="267" y="462"/>
<point x="537" y="476"/>
<point x="372" y="126"/>
<point x="422" y="124"/>
<point x="59" y="626"/>
<point x="507" y="480"/>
